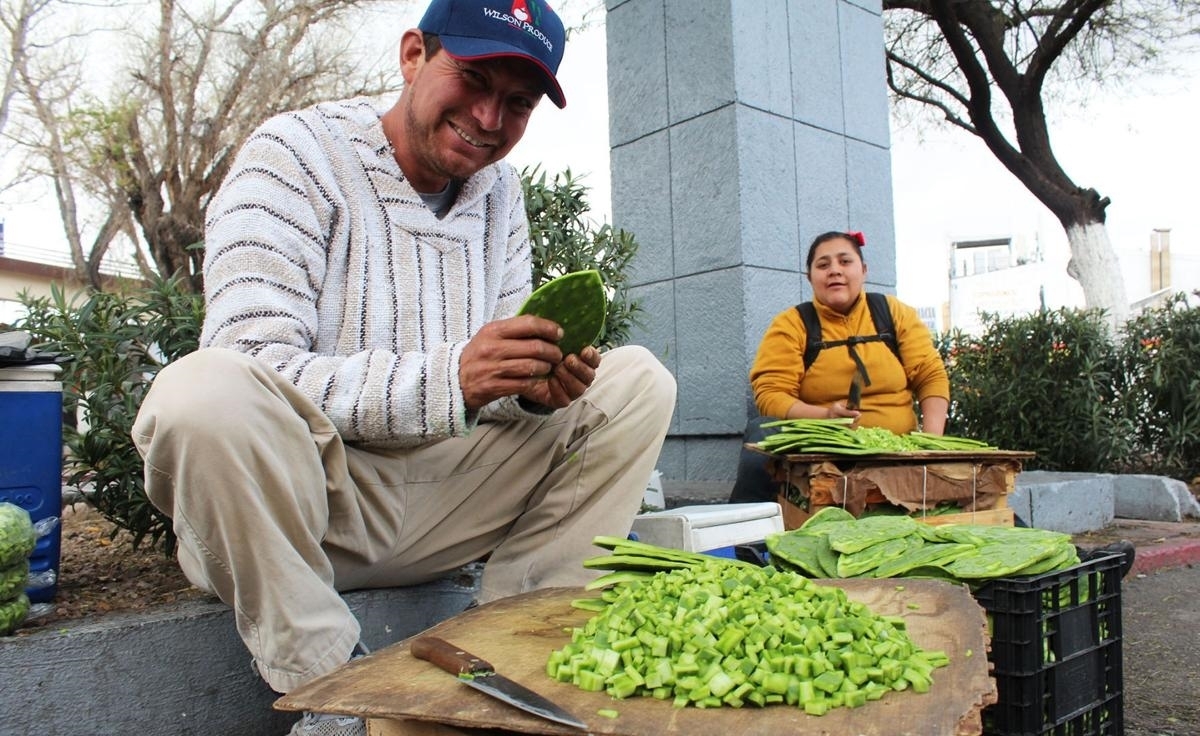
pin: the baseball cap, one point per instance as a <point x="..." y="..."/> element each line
<point x="484" y="29"/>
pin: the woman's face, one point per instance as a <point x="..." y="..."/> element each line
<point x="837" y="274"/>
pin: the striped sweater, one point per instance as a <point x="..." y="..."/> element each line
<point x="322" y="261"/>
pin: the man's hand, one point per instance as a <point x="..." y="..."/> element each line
<point x="518" y="357"/>
<point x="567" y="381"/>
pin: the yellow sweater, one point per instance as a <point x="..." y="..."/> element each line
<point x="778" y="377"/>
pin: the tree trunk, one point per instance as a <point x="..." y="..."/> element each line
<point x="1093" y="263"/>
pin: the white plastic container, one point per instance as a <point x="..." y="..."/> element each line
<point x="709" y="528"/>
<point x="654" y="492"/>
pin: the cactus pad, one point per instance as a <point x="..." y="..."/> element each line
<point x="577" y="302"/>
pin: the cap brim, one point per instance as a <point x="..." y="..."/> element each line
<point x="471" y="49"/>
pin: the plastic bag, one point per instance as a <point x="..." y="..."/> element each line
<point x="17" y="535"/>
<point x="13" y="613"/>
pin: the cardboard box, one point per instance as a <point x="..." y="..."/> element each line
<point x="978" y="483"/>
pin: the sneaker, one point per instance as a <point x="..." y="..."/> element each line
<point x="328" y="724"/>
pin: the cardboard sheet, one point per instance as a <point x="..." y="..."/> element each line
<point x="391" y="688"/>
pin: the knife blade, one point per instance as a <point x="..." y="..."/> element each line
<point x="482" y="676"/>
<point x="856" y="387"/>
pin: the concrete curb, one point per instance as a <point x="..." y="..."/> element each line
<point x="181" y="671"/>
<point x="1155" y="557"/>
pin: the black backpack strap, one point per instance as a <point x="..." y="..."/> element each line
<point x="881" y="315"/>
<point x="812" y="331"/>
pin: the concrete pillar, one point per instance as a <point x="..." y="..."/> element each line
<point x="739" y="130"/>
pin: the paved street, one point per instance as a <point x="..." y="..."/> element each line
<point x="1161" y="651"/>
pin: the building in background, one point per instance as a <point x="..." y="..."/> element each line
<point x="1005" y="276"/>
<point x="1168" y="272"/>
<point x="35" y="270"/>
<point x="1012" y="275"/>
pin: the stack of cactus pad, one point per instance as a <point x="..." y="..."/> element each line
<point x="17" y="540"/>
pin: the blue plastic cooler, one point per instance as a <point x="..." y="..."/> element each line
<point x="31" y="458"/>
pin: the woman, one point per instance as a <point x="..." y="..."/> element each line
<point x="855" y="372"/>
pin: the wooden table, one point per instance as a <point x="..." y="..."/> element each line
<point x="978" y="481"/>
<point x="399" y="695"/>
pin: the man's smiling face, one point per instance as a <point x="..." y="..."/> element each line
<point x="460" y="115"/>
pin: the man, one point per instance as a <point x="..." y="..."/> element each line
<point x="366" y="410"/>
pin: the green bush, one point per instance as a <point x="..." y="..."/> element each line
<point x="1060" y="384"/>
<point x="120" y="340"/>
<point x="1042" y="382"/>
<point x="1160" y="385"/>
<point x="564" y="240"/>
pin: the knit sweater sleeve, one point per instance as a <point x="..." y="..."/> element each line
<point x="778" y="366"/>
<point x="923" y="365"/>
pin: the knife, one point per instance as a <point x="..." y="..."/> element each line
<point x="479" y="674"/>
<point x="856" y="387"/>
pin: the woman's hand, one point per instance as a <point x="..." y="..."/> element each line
<point x="838" y="410"/>
<point x="801" y="410"/>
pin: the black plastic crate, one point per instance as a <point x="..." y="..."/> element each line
<point x="1056" y="652"/>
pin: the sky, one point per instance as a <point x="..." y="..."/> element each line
<point x="1139" y="149"/>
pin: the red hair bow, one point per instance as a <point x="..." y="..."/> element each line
<point x="857" y="237"/>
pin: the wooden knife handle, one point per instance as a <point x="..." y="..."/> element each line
<point x="449" y="657"/>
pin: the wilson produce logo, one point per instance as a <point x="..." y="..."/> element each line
<point x="525" y="15"/>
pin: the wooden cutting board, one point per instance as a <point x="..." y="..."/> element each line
<point x="517" y="635"/>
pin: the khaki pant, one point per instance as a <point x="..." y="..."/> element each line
<point x="275" y="514"/>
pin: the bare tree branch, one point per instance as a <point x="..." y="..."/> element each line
<point x="953" y="56"/>
<point x="148" y="154"/>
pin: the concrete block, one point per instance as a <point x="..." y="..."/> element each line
<point x="656" y="331"/>
<point x="767" y="190"/>
<point x="641" y="188"/>
<point x="1154" y="498"/>
<point x="762" y="56"/>
<point x="869" y="182"/>
<point x="821" y="194"/>
<point x="1071" y="503"/>
<point x="713" y="458"/>
<point x="183" y="670"/>
<point x="705" y="212"/>
<point x="672" y="461"/>
<point x="637" y="69"/>
<point x="816" y="71"/>
<point x="699" y="58"/>
<point x="767" y="293"/>
<point x="863" y="70"/>
<point x="709" y="338"/>
<point x="699" y="469"/>
<point x="697" y="492"/>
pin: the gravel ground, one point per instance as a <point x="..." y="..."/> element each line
<point x="1161" y="652"/>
